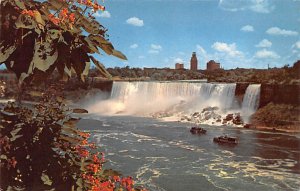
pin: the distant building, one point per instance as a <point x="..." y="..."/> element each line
<point x="212" y="65"/>
<point x="194" y="62"/>
<point x="179" y="66"/>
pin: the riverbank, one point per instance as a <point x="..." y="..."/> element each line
<point x="277" y="129"/>
<point x="277" y="117"/>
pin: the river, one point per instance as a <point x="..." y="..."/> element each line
<point x="166" y="156"/>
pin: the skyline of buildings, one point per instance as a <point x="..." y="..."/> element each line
<point x="210" y="65"/>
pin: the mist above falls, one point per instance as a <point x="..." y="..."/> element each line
<point x="173" y="98"/>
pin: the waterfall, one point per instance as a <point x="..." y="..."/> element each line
<point x="250" y="101"/>
<point x="148" y="97"/>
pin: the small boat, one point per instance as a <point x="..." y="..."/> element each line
<point x="197" y="130"/>
<point x="226" y="139"/>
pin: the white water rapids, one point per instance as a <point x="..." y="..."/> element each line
<point x="175" y="98"/>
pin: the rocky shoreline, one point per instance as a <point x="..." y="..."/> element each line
<point x="212" y="116"/>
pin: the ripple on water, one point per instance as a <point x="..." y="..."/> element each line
<point x="265" y="172"/>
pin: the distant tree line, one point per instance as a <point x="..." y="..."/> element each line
<point x="151" y="73"/>
<point x="285" y="75"/>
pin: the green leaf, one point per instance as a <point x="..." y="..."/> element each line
<point x="71" y="140"/>
<point x="3" y="157"/>
<point x="15" y="137"/>
<point x="57" y="4"/>
<point x="5" y="52"/>
<point x="25" y="22"/>
<point x="44" y="56"/>
<point x="110" y="172"/>
<point x="101" y="68"/>
<point x="70" y="129"/>
<point x="35" y="93"/>
<point x="79" y="183"/>
<point x="105" y="45"/>
<point x="79" y="110"/>
<point x="53" y="34"/>
<point x="46" y="180"/>
<point x="98" y="39"/>
<point x="89" y="25"/>
<point x="107" y="48"/>
<point x="20" y="4"/>
<point x="15" y="132"/>
<point x="71" y="122"/>
<point x="119" y="54"/>
<point x="60" y="99"/>
<point x="91" y="45"/>
<point x="85" y="72"/>
<point x="39" y="20"/>
<point x="80" y="62"/>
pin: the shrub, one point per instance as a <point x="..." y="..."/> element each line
<point x="41" y="149"/>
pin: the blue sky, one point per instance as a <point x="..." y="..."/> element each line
<point x="236" y="33"/>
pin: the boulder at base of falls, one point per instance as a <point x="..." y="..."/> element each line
<point x="208" y="114"/>
<point x="210" y="109"/>
<point x="235" y="119"/>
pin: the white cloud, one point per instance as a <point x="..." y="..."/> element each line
<point x="229" y="49"/>
<point x="133" y="46"/>
<point x="104" y="14"/>
<point x="296" y="45"/>
<point x="264" y="44"/>
<point x="247" y="28"/>
<point x="266" y="54"/>
<point x="156" y="47"/>
<point x="135" y="21"/>
<point x="243" y="60"/>
<point x="279" y="31"/>
<point x="259" y="6"/>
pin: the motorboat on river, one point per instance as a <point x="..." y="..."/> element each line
<point x="197" y="130"/>
<point x="226" y="139"/>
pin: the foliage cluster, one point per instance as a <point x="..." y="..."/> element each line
<point x="154" y="73"/>
<point x="41" y="149"/>
<point x="38" y="37"/>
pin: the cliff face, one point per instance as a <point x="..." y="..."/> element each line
<point x="279" y="94"/>
<point x="103" y="85"/>
<point x="240" y="90"/>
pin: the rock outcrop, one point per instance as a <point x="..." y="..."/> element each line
<point x="279" y="94"/>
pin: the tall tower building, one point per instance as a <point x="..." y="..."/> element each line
<point x="194" y="62"/>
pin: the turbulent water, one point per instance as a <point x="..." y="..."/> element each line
<point x="182" y="98"/>
<point x="251" y="100"/>
<point x="164" y="156"/>
<point x="176" y="100"/>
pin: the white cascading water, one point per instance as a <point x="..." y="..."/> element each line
<point x="144" y="98"/>
<point x="250" y="101"/>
